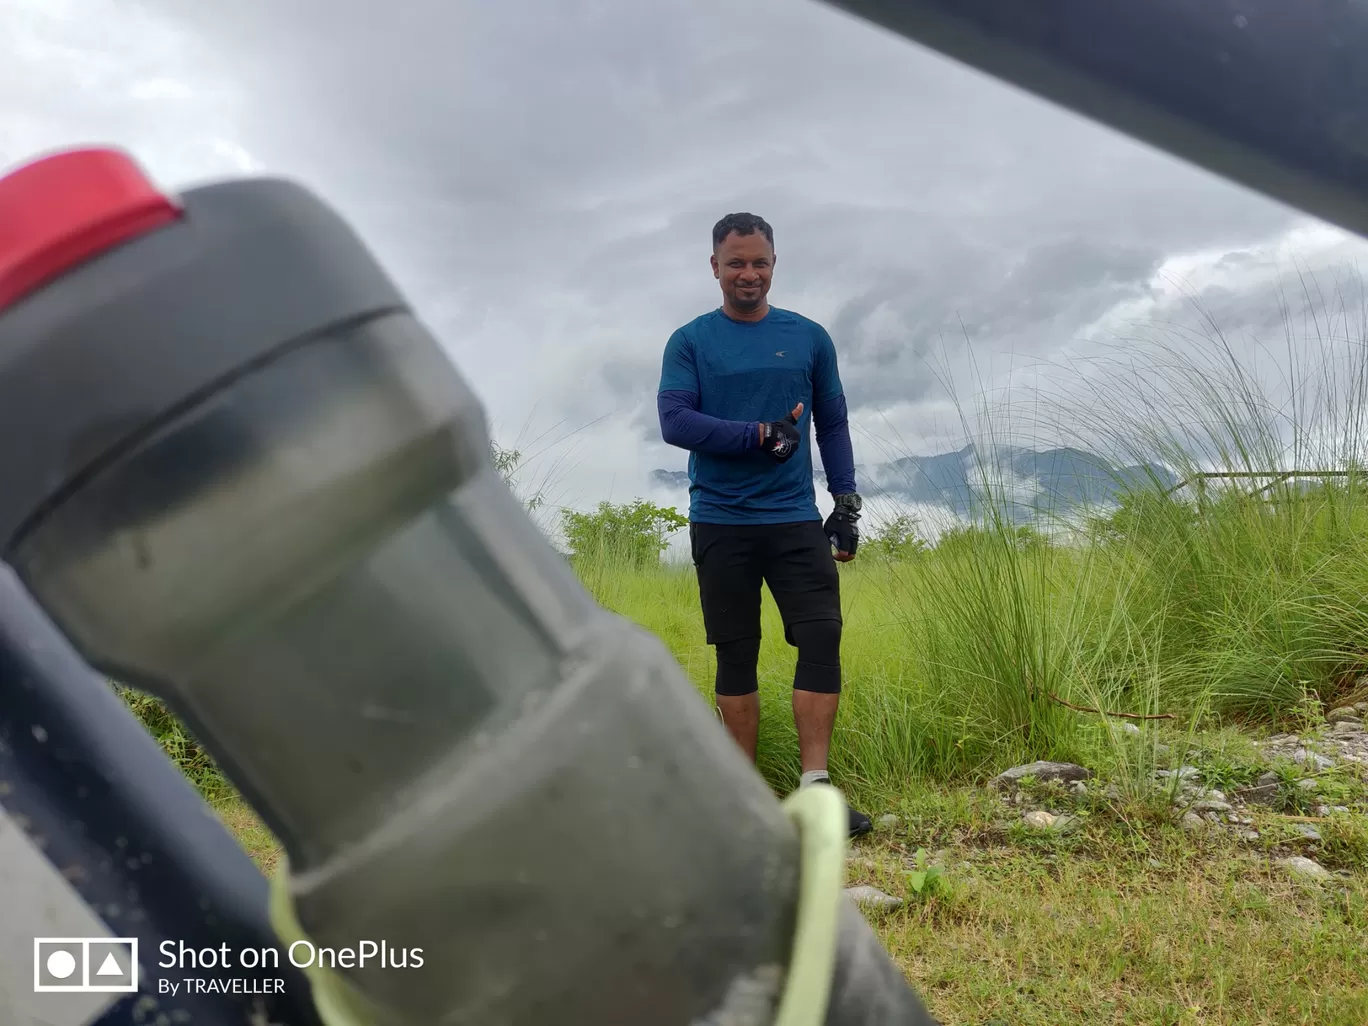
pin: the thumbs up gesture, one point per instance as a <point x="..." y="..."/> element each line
<point x="780" y="438"/>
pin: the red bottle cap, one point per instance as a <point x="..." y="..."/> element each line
<point x="63" y="209"/>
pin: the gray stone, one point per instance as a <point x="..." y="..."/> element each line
<point x="1336" y="808"/>
<point x="1307" y="831"/>
<point x="1212" y="805"/>
<point x="1067" y="824"/>
<point x="871" y="897"/>
<point x="888" y="821"/>
<point x="1347" y="728"/>
<point x="1361" y="708"/>
<point x="1130" y="728"/>
<point x="1344" y="712"/>
<point x="1268" y="779"/>
<point x="1078" y="787"/>
<point x="1038" y="819"/>
<point x="1304" y="757"/>
<point x="1308" y="784"/>
<point x="1247" y="835"/>
<point x="1303" y="868"/>
<point x="1042" y="771"/>
<point x="1192" y="823"/>
<point x="1182" y="773"/>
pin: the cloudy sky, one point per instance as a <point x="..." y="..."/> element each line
<point x="541" y="180"/>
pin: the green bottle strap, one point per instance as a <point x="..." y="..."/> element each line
<point x="817" y="811"/>
<point x="338" y="1001"/>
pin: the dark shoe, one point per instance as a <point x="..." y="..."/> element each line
<point x="859" y="822"/>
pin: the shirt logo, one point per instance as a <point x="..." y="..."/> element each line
<point x="779" y="353"/>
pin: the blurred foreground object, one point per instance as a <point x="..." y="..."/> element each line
<point x="1270" y="94"/>
<point x="254" y="485"/>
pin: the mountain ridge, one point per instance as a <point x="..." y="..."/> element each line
<point x="1027" y="482"/>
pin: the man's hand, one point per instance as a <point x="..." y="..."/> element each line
<point x="780" y="438"/>
<point x="842" y="530"/>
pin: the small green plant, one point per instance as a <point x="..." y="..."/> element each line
<point x="1226" y="775"/>
<point x="505" y="460"/>
<point x="926" y="880"/>
<point x="508" y="462"/>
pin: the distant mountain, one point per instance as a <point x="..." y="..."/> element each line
<point x="671" y="478"/>
<point x="1025" y="482"/>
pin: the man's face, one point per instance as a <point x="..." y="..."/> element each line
<point x="743" y="265"/>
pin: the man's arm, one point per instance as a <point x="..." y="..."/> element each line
<point x="830" y="421"/>
<point x="681" y="424"/>
<point x="677" y="401"/>
<point x="833" y="442"/>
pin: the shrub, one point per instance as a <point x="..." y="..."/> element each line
<point x="896" y="539"/>
<point x="629" y="535"/>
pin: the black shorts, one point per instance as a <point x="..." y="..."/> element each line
<point x="732" y="560"/>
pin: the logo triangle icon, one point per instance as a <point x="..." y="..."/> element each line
<point x="109" y="967"/>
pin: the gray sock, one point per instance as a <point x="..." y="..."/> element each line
<point x="814" y="777"/>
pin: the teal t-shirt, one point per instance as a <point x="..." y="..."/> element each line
<point x="748" y="372"/>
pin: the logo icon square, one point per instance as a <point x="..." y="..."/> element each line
<point x="85" y="965"/>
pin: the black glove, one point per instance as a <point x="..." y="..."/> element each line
<point x="781" y="438"/>
<point x="842" y="531"/>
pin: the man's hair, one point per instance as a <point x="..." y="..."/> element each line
<point x="742" y="224"/>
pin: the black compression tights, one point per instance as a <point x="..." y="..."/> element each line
<point x="819" y="660"/>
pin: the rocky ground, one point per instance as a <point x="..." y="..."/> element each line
<point x="1279" y="802"/>
<point x="1182" y="879"/>
<point x="1178" y="880"/>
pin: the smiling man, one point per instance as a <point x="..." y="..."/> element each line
<point x="739" y="388"/>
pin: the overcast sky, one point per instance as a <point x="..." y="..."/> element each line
<point x="541" y="180"/>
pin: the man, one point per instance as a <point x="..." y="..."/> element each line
<point x="737" y="387"/>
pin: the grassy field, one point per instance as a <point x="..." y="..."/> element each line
<point x="1237" y="623"/>
<point x="1221" y="618"/>
<point x="960" y="659"/>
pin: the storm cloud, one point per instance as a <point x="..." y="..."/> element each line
<point x="541" y="180"/>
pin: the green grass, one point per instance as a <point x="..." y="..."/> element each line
<point x="1218" y="615"/>
<point x="951" y="657"/>
<point x="1105" y="934"/>
<point x="958" y="660"/>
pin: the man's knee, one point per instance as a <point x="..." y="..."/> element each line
<point x="737" y="665"/>
<point x="819" y="656"/>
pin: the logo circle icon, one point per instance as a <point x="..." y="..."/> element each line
<point x="61" y="964"/>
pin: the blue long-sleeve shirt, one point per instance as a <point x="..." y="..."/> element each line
<point x="721" y="379"/>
